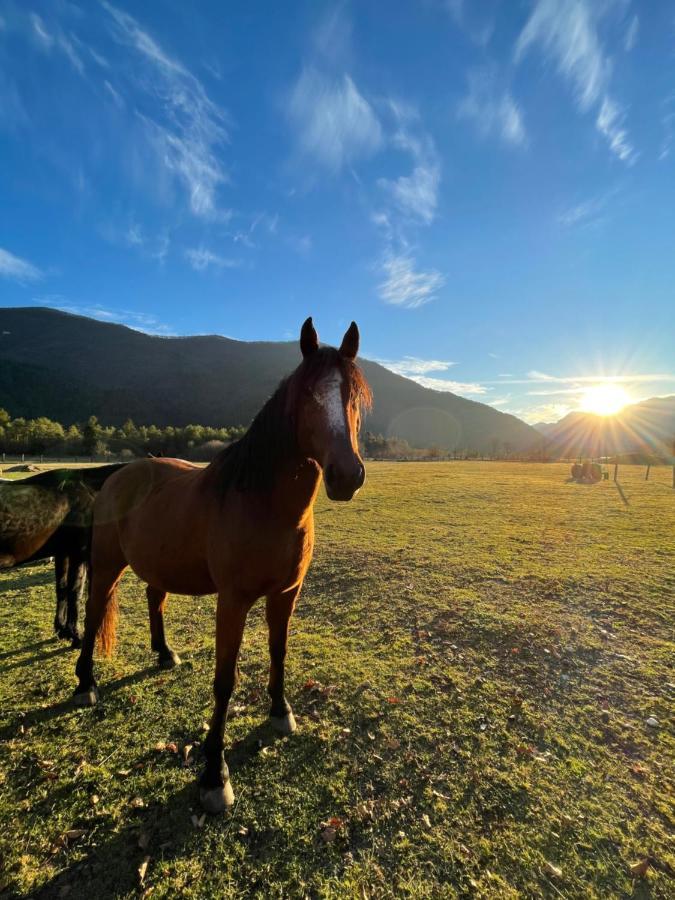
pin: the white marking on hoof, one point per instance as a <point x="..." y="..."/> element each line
<point x="86" y="698"/>
<point x="170" y="662"/>
<point x="216" y="800"/>
<point x="284" y="724"/>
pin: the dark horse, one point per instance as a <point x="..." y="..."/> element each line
<point x="50" y="514"/>
<point x="243" y="527"/>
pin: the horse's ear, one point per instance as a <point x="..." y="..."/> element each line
<point x="350" y="342"/>
<point x="309" y="339"/>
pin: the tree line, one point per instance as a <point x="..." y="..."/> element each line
<point x="43" y="436"/>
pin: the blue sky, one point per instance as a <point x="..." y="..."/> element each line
<point x="487" y="187"/>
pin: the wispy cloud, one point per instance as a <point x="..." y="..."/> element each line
<point x="492" y="109"/>
<point x="668" y="125"/>
<point x="566" y="32"/>
<point x="154" y="246"/>
<point x="588" y="212"/>
<point x="413" y="365"/>
<point x="403" y="285"/>
<point x="453" y="387"/>
<point x="201" y="259"/>
<point x="17" y="269"/>
<point x="477" y="20"/>
<point x="631" y="34"/>
<point x="543" y="412"/>
<point x="417" y="370"/>
<point x="56" y="39"/>
<point x="415" y="195"/>
<point x="610" y="123"/>
<point x="333" y="123"/>
<point x="185" y="127"/>
<point x="302" y="243"/>
<point x="117" y="98"/>
<point x="626" y="378"/>
<point x="138" y="321"/>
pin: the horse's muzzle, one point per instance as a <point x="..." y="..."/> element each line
<point x="343" y="484"/>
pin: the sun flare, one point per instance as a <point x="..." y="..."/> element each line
<point x="604" y="399"/>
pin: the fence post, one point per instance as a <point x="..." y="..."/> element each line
<point x="647" y="472"/>
<point x="616" y="471"/>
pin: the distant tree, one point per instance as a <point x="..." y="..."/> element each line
<point x="90" y="435"/>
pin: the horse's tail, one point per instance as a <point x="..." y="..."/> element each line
<point x="107" y="633"/>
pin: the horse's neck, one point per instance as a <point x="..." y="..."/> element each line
<point x="296" y="490"/>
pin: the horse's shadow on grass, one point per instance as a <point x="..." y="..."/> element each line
<point x="27" y="648"/>
<point x="48" y="713"/>
<point x="111" y="869"/>
<point x="20" y="579"/>
<point x="38" y="657"/>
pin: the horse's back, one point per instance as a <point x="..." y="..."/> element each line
<point x="151" y="515"/>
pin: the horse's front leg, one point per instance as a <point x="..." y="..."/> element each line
<point x="279" y="611"/>
<point x="215" y="789"/>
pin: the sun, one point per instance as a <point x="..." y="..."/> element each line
<point x="604" y="399"/>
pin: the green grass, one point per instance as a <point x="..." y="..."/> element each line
<point x="472" y="663"/>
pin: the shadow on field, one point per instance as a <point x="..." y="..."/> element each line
<point x="64" y="706"/>
<point x="38" y="657"/>
<point x="168" y="833"/>
<point x="17" y="651"/>
<point x="21" y="578"/>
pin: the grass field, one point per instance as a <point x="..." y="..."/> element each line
<point x="474" y="658"/>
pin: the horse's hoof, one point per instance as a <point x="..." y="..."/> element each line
<point x="76" y="643"/>
<point x="86" y="698"/>
<point x="170" y="662"/>
<point x="216" y="800"/>
<point x="284" y="724"/>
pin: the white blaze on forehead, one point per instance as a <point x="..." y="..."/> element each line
<point x="329" y="395"/>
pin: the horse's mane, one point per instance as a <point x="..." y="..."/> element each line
<point x="254" y="461"/>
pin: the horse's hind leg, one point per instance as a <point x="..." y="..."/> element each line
<point x="61" y="576"/>
<point x="166" y="657"/>
<point x="77" y="578"/>
<point x="100" y="615"/>
<point x="279" y="610"/>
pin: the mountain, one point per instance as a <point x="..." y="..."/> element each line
<point x="69" y="367"/>
<point x="544" y="427"/>
<point x="647" y="427"/>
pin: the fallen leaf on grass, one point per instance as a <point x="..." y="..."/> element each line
<point x="142" y="869"/>
<point x="122" y="773"/>
<point x="198" y="821"/>
<point x="187" y="759"/>
<point x="426" y="821"/>
<point x="67" y="838"/>
<point x="137" y="803"/>
<point x="330" y="829"/>
<point x="640" y="869"/>
<point x="393" y="700"/>
<point x="552" y="870"/>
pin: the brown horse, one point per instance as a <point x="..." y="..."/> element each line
<point x="242" y="527"/>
